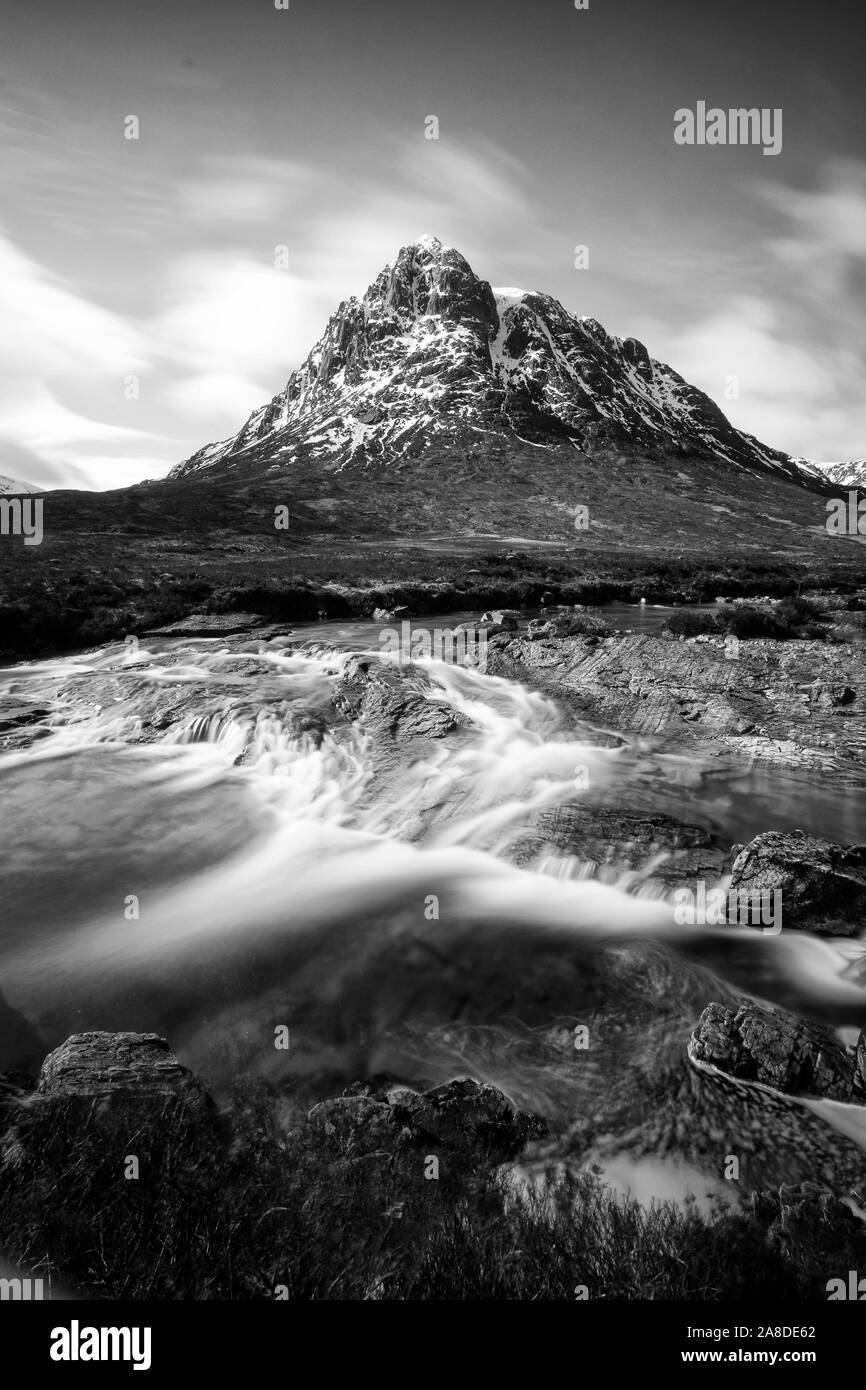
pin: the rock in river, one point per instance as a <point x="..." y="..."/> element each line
<point x="823" y="885"/>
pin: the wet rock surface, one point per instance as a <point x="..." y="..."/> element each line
<point x="798" y="704"/>
<point x="753" y="1043"/>
<point x="219" y="625"/>
<point x="823" y="885"/>
<point x="389" y="704"/>
<point x="617" y="840"/>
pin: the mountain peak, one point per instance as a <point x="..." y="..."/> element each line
<point x="426" y="242"/>
<point x="433" y="357"/>
<point x="427" y="279"/>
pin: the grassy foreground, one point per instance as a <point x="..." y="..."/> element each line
<point x="247" y="1209"/>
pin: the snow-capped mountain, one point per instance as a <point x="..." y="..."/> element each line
<point x="15" y="485"/>
<point x="851" y="474"/>
<point x="433" y="356"/>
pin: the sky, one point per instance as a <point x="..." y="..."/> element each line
<point x="145" y="311"/>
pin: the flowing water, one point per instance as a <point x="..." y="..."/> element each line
<point x="198" y="842"/>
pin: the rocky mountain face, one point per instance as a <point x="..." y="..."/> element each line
<point x="432" y="357"/>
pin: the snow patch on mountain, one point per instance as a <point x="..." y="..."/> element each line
<point x="851" y="474"/>
<point x="11" y="486"/>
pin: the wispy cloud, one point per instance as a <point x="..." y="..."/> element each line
<point x="788" y="395"/>
<point x="51" y="329"/>
<point x="796" y="341"/>
<point x="56" y="346"/>
<point x="228" y="323"/>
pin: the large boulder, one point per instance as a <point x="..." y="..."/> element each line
<point x="130" y="1066"/>
<point x="464" y="1120"/>
<point x="392" y="704"/>
<point x="753" y="1043"/>
<point x="568" y="622"/>
<point x="503" y="619"/>
<point x="390" y="615"/>
<point x="823" y="885"/>
<point x="101" y="1096"/>
<point x="464" y="1114"/>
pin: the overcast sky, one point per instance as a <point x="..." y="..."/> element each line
<point x="305" y="127"/>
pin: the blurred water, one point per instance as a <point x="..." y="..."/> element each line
<point x="198" y="843"/>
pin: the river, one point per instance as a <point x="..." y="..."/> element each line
<point x="197" y="844"/>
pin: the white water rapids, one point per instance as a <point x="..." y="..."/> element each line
<point x="197" y="844"/>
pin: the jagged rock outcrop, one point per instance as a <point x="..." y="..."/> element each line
<point x="754" y="1043"/>
<point x="823" y="885"/>
<point x="637" y="355"/>
<point x="433" y="355"/>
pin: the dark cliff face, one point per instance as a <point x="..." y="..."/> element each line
<point x="369" y="336"/>
<point x="431" y="279"/>
<point x="433" y="357"/>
